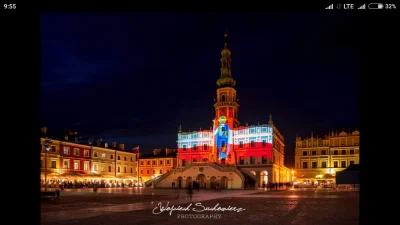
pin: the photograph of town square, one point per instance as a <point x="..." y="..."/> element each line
<point x="139" y="126"/>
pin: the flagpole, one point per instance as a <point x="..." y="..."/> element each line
<point x="137" y="161"/>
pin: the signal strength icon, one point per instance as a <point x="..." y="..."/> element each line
<point x="362" y="7"/>
<point x="329" y="7"/>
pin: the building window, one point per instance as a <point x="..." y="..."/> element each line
<point x="183" y="147"/>
<point x="66" y="165"/>
<point x="305" y="165"/>
<point x="148" y="162"/>
<point x="313" y="152"/>
<point x="103" y="155"/>
<point x="131" y="159"/>
<point x="109" y="168"/>
<point x="160" y="171"/>
<point x="252" y="144"/>
<point x="323" y="152"/>
<point x="53" y="164"/>
<point x="304" y="152"/>
<point x="86" y="153"/>
<point x="119" y="169"/>
<point x="351" y="162"/>
<point x="53" y="148"/>
<point x="95" y="154"/>
<point x="161" y="162"/>
<point x="222" y="98"/>
<point x="343" y="164"/>
<point x="264" y="143"/>
<point x="205" y="146"/>
<point x="194" y="147"/>
<point x="351" y="151"/>
<point x="205" y="159"/>
<point x="314" y="164"/>
<point x="252" y="160"/>
<point x="183" y="162"/>
<point x="141" y="163"/>
<point x="343" y="152"/>
<point x="335" y="164"/>
<point x="66" y="151"/>
<point x="76" y="151"/>
<point x="124" y="169"/>
<point x="76" y="165"/>
<point x="194" y="160"/>
<point x="154" y="162"/>
<point x="95" y="167"/>
<point x="323" y="165"/>
<point x="167" y="161"/>
<point x="148" y="171"/>
<point x="86" y="165"/>
<point x="141" y="171"/>
<point x="131" y="170"/>
<point x="119" y="157"/>
<point x="264" y="159"/>
<point x="241" y="160"/>
<point x="125" y="159"/>
<point x="111" y="156"/>
<point x="154" y="172"/>
<point x="336" y="152"/>
<point x="240" y="144"/>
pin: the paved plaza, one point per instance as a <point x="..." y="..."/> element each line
<point x="136" y="206"/>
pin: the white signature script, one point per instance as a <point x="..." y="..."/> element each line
<point x="198" y="207"/>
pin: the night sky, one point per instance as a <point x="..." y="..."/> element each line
<point x="134" y="77"/>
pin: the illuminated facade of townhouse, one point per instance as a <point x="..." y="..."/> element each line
<point x="157" y="164"/>
<point x="228" y="154"/>
<point x="72" y="160"/>
<point x="317" y="159"/>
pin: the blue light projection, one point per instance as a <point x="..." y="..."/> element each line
<point x="223" y="136"/>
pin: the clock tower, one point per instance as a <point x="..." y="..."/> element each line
<point x="226" y="108"/>
<point x="226" y="103"/>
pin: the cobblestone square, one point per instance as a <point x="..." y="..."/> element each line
<point x="123" y="207"/>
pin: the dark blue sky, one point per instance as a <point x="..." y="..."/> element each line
<point x="134" y="77"/>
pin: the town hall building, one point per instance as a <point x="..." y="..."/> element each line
<point x="229" y="154"/>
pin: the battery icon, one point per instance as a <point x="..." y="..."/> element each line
<point x="375" y="6"/>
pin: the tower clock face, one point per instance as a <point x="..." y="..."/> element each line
<point x="222" y="119"/>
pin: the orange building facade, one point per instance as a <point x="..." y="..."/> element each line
<point x="155" y="165"/>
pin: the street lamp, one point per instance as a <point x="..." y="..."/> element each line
<point x="91" y="139"/>
<point x="46" y="145"/>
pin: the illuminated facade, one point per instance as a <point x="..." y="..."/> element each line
<point x="157" y="164"/>
<point x="228" y="153"/>
<point x="318" y="159"/>
<point x="97" y="162"/>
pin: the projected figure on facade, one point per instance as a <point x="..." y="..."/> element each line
<point x="222" y="136"/>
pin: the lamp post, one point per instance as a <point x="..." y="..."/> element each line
<point x="91" y="139"/>
<point x="46" y="145"/>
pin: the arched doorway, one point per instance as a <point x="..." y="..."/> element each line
<point x="264" y="178"/>
<point x="201" y="178"/>
<point x="253" y="172"/>
<point x="189" y="181"/>
<point x="213" y="182"/>
<point x="179" y="182"/>
<point x="224" y="182"/>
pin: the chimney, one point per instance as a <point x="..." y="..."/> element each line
<point x="168" y="151"/>
<point x="121" y="146"/>
<point x="114" y="144"/>
<point x="66" y="137"/>
<point x="106" y="145"/>
<point x="76" y="138"/>
<point x="98" y="142"/>
<point x="43" y="130"/>
<point x="156" y="151"/>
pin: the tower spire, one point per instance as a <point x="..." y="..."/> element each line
<point x="270" y="119"/>
<point x="226" y="79"/>
<point x="180" y="128"/>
